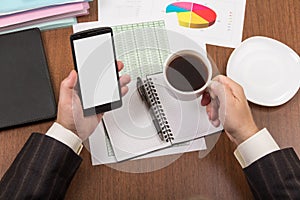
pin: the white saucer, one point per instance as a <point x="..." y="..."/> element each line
<point x="268" y="70"/>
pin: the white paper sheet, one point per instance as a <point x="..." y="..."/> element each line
<point x="125" y="11"/>
<point x="227" y="30"/>
<point x="102" y="152"/>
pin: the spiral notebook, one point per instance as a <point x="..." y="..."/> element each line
<point x="131" y="128"/>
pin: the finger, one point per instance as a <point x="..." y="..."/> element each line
<point x="124" y="80"/>
<point x="70" y="81"/>
<point x="67" y="85"/>
<point x="205" y="99"/>
<point x="99" y="117"/>
<point x="209" y="90"/>
<point x="216" y="123"/>
<point x="234" y="86"/>
<point x="209" y="110"/>
<point x="213" y="110"/>
<point x="219" y="91"/>
<point x="120" y="65"/>
<point x="124" y="90"/>
<point x="212" y="115"/>
<point x="226" y="80"/>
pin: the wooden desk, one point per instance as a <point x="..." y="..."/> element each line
<point x="217" y="176"/>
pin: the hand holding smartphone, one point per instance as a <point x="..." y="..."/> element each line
<point x="95" y="62"/>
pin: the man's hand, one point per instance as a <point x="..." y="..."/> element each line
<point x="70" y="113"/>
<point x="226" y="103"/>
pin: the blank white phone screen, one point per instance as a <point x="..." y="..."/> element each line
<point x="96" y="70"/>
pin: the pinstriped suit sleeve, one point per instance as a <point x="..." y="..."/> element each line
<point x="275" y="176"/>
<point x="43" y="169"/>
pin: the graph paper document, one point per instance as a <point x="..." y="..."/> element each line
<point x="142" y="47"/>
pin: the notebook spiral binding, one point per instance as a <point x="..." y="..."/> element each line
<point x="158" y="110"/>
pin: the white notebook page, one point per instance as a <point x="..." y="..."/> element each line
<point x="188" y="119"/>
<point x="131" y="129"/>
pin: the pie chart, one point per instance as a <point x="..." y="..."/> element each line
<point x="192" y="15"/>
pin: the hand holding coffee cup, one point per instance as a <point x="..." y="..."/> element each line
<point x="187" y="74"/>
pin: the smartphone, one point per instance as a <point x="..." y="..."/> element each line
<point x="95" y="61"/>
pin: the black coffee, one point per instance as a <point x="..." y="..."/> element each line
<point x="187" y="73"/>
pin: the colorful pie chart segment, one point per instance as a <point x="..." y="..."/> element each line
<point x="192" y="15"/>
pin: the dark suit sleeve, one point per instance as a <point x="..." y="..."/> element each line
<point x="275" y="176"/>
<point x="43" y="169"/>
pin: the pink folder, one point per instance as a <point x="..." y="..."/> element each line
<point x="47" y="13"/>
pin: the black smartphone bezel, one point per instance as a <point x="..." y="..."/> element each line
<point x="91" y="33"/>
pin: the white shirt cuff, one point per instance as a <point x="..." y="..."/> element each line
<point x="255" y="147"/>
<point x="65" y="136"/>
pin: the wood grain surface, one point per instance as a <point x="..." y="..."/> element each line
<point x="218" y="175"/>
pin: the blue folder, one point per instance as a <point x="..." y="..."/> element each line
<point x="10" y="7"/>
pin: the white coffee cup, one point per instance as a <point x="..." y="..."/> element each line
<point x="183" y="71"/>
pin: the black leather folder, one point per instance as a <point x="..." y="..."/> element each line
<point x="25" y="85"/>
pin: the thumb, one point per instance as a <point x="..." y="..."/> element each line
<point x="218" y="91"/>
<point x="67" y="85"/>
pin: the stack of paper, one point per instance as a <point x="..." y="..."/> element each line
<point x="46" y="14"/>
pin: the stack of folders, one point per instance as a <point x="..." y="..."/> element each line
<point x="46" y="14"/>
